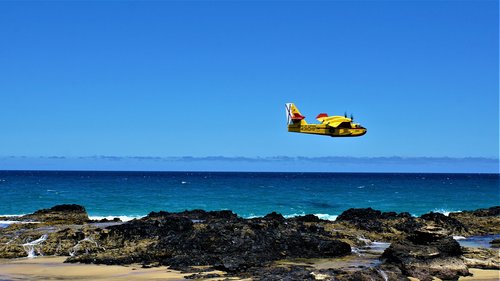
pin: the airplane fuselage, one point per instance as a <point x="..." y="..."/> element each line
<point x="334" y="126"/>
<point x="323" y="129"/>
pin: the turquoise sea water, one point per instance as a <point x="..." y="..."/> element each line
<point x="134" y="194"/>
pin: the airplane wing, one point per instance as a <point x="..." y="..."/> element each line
<point x="335" y="121"/>
<point x="334" y="124"/>
<point x="332" y="121"/>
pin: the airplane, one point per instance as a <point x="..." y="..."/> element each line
<point x="334" y="126"/>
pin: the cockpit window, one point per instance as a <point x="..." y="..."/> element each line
<point x="345" y="125"/>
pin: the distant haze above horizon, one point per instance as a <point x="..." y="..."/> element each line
<point x="205" y="78"/>
<point x="255" y="164"/>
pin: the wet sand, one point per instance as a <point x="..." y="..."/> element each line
<point x="53" y="268"/>
<point x="477" y="275"/>
<point x="482" y="275"/>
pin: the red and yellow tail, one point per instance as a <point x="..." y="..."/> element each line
<point x="293" y="115"/>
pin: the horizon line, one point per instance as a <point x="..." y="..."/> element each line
<point x="379" y="164"/>
<point x="275" y="157"/>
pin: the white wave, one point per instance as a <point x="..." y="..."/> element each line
<point x="30" y="246"/>
<point x="122" y="218"/>
<point x="75" y="248"/>
<point x="365" y="240"/>
<point x="379" y="246"/>
<point x="383" y="274"/>
<point x="13" y="215"/>
<point x="459" y="237"/>
<point x="13" y="222"/>
<point x="9" y="222"/>
<point x="294" y="215"/>
<point x="321" y="216"/>
<point x="326" y="217"/>
<point x="444" y="211"/>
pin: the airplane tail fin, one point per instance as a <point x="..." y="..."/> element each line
<point x="293" y="115"/>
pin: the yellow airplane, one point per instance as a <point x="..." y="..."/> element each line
<point x="334" y="126"/>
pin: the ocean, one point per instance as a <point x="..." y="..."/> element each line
<point x="134" y="194"/>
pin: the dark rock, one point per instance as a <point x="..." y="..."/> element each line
<point x="289" y="273"/>
<point x="307" y="218"/>
<point x="362" y="214"/>
<point x="490" y="212"/>
<point x="445" y="222"/>
<point x="300" y="272"/>
<point x="147" y="228"/>
<point x="481" y="258"/>
<point x="379" y="273"/>
<point x="60" y="214"/>
<point x="275" y="217"/>
<point x="495" y="243"/>
<point x="379" y="222"/>
<point x="429" y="234"/>
<point x="479" y="222"/>
<point x="407" y="224"/>
<point x="219" y="239"/>
<point x="439" y="258"/>
<point x="195" y="215"/>
<point x="199" y="276"/>
<point x="249" y="247"/>
<point x="108" y="220"/>
<point x="367" y="219"/>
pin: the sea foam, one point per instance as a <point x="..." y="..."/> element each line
<point x="321" y="216"/>
<point x="30" y="246"/>
<point x="122" y="218"/>
<point x="444" y="211"/>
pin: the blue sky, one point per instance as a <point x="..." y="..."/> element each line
<point x="202" y="78"/>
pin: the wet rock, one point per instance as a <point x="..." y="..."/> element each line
<point x="406" y="223"/>
<point x="379" y="273"/>
<point x="489" y="212"/>
<point x="275" y="217"/>
<point x="375" y="221"/>
<point x="308" y="218"/>
<point x="481" y="258"/>
<point x="445" y="222"/>
<point x="422" y="247"/>
<point x="367" y="219"/>
<point x="105" y="220"/>
<point x="427" y="258"/>
<point x="428" y="234"/>
<point x="219" y="239"/>
<point x="279" y="273"/>
<point x="148" y="228"/>
<point x="495" y="243"/>
<point x="194" y="215"/>
<point x="479" y="222"/>
<point x="60" y="214"/>
<point x="199" y="276"/>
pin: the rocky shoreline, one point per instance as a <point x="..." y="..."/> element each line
<point x="266" y="248"/>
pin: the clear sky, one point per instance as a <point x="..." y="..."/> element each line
<point x="203" y="78"/>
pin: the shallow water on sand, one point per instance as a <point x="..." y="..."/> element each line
<point x="482" y="241"/>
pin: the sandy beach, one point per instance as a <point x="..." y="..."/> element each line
<point x="302" y="248"/>
<point x="54" y="268"/>
<point x="477" y="275"/>
<point x="482" y="275"/>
